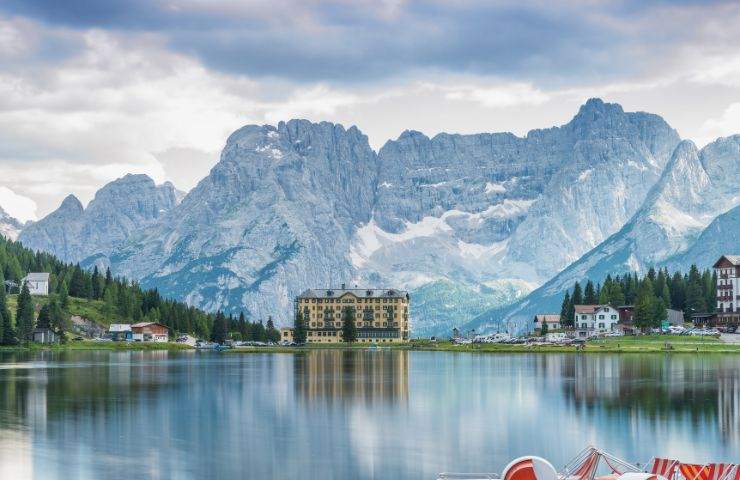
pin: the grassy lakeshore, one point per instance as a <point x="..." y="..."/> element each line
<point x="641" y="344"/>
<point x="91" y="345"/>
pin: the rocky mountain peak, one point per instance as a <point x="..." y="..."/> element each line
<point x="70" y="205"/>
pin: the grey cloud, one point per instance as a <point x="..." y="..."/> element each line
<point x="350" y="42"/>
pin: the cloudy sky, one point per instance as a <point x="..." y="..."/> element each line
<point x="91" y="90"/>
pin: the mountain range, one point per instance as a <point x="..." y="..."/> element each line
<point x="481" y="228"/>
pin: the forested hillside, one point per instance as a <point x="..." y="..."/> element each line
<point x="97" y="296"/>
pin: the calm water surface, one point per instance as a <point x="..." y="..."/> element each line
<point x="345" y="415"/>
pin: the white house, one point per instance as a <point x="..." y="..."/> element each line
<point x="38" y="283"/>
<point x="591" y="320"/>
<point x="551" y="319"/>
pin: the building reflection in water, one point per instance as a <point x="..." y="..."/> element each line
<point x="357" y="377"/>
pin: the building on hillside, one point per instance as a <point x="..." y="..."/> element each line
<point x="591" y="320"/>
<point x="551" y="319"/>
<point x="38" y="283"/>
<point x="120" y="332"/>
<point x="381" y="315"/>
<point x="149" y="332"/>
<point x="728" y="289"/>
<point x="44" y="335"/>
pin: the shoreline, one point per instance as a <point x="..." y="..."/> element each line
<point x="642" y="344"/>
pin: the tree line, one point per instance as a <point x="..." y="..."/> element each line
<point x="123" y="300"/>
<point x="240" y="329"/>
<point x="651" y="295"/>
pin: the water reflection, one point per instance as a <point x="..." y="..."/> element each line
<point x="353" y="377"/>
<point x="350" y="414"/>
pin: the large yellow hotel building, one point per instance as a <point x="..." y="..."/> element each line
<point x="381" y="315"/>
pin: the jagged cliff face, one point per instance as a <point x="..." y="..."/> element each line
<point x="9" y="227"/>
<point x="490" y="208"/>
<point x="89" y="235"/>
<point x="304" y="205"/>
<point x="274" y="216"/>
<point x="683" y="220"/>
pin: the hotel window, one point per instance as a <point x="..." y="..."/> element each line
<point x="614" y="317"/>
<point x="601" y="325"/>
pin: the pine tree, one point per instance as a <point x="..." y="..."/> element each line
<point x="109" y="305"/>
<point x="77" y="284"/>
<point x="108" y="277"/>
<point x="258" y="332"/>
<point x="97" y="284"/>
<point x="565" y="319"/>
<point x="651" y="274"/>
<point x="349" y="330"/>
<point x="629" y="290"/>
<point x="44" y="319"/>
<point x="7" y="332"/>
<point x="616" y="295"/>
<point x="58" y="320"/>
<point x="243" y="328"/>
<point x="644" y="310"/>
<point x="299" y="328"/>
<point x="695" y="299"/>
<point x="678" y="292"/>
<point x="709" y="284"/>
<point x="273" y="334"/>
<point x="577" y="297"/>
<point x="589" y="294"/>
<point x="24" y="314"/>
<point x="218" y="334"/>
<point x="64" y="295"/>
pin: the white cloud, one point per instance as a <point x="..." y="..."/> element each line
<point x="17" y="206"/>
<point x="498" y="96"/>
<point x="727" y="124"/>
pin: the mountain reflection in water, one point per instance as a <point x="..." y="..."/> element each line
<point x="336" y="414"/>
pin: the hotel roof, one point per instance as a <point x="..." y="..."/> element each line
<point x="588" y="308"/>
<point x="357" y="292"/>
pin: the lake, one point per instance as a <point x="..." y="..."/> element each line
<point x="333" y="414"/>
